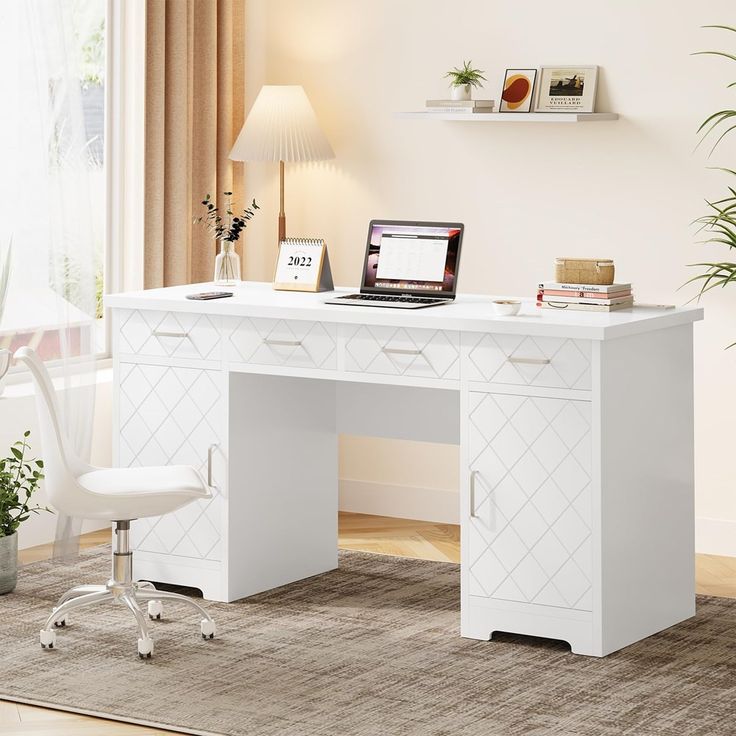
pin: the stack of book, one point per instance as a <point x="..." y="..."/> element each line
<point x="584" y="297"/>
<point x="479" y="106"/>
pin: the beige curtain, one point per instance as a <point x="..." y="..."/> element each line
<point x="194" y="111"/>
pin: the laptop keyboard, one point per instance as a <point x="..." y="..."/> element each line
<point x="394" y="299"/>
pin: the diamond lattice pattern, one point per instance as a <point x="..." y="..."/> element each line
<point x="169" y="416"/>
<point x="530" y="538"/>
<point x="568" y="367"/>
<point x="303" y="344"/>
<point x="427" y="353"/>
<point x="189" y="335"/>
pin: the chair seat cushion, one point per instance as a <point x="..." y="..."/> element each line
<point x="131" y="493"/>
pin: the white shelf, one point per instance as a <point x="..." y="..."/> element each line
<point x="513" y="117"/>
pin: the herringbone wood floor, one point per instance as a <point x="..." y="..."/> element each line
<point x="714" y="576"/>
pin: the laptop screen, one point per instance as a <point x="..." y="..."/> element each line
<point x="412" y="257"/>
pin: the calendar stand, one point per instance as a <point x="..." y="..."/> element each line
<point x="303" y="265"/>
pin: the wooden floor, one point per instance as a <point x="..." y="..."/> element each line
<point x="714" y="576"/>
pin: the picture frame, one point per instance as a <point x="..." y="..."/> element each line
<point x="517" y="92"/>
<point x="567" y="89"/>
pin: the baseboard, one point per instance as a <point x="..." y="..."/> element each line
<point x="403" y="502"/>
<point x="715" y="536"/>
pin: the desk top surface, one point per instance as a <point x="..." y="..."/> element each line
<point x="469" y="312"/>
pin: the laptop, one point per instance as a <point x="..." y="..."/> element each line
<point x="408" y="265"/>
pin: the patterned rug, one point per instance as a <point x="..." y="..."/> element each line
<point x="371" y="649"/>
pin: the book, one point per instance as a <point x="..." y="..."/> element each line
<point x="471" y="104"/>
<point x="543" y="297"/>
<point x="585" y="294"/>
<point x="585" y="307"/>
<point x="464" y="110"/>
<point x="598" y="288"/>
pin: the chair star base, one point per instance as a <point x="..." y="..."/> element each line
<point x="122" y="589"/>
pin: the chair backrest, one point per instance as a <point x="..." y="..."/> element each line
<point x="61" y="465"/>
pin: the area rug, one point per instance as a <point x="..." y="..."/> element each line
<point x="370" y="649"/>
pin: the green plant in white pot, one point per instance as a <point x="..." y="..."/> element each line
<point x="463" y="79"/>
<point x="19" y="479"/>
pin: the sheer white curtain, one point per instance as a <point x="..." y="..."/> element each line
<point x="50" y="180"/>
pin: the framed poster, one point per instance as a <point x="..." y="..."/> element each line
<point x="517" y="94"/>
<point x="567" y="89"/>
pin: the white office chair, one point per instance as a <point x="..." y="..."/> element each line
<point x="117" y="495"/>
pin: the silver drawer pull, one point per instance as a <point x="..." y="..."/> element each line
<point x="162" y="333"/>
<point x="210" y="452"/>
<point x="530" y="361"/>
<point x="402" y="351"/>
<point x="473" y="474"/>
<point x="282" y="343"/>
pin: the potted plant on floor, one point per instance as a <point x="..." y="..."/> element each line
<point x="718" y="226"/>
<point x="19" y="479"/>
<point x="463" y="79"/>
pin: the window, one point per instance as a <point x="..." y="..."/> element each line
<point x="52" y="184"/>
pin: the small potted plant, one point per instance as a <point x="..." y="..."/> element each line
<point x="19" y="479"/>
<point x="226" y="227"/>
<point x="463" y="79"/>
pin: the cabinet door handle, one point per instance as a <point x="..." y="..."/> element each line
<point x="402" y="351"/>
<point x="282" y="343"/>
<point x="210" y="453"/>
<point x="163" y="333"/>
<point x="531" y="361"/>
<point x="473" y="474"/>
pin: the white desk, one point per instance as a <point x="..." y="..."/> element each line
<point x="576" y="435"/>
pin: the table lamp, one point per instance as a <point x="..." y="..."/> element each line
<point x="281" y="126"/>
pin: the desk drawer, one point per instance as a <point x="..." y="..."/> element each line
<point x="293" y="343"/>
<point x="549" y="362"/>
<point x="151" y="333"/>
<point x="403" y="352"/>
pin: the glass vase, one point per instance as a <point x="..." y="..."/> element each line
<point x="227" y="265"/>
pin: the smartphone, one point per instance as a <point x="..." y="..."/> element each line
<point x="203" y="296"/>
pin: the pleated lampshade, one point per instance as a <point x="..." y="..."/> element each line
<point x="281" y="126"/>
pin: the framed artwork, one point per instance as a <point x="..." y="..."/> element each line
<point x="567" y="89"/>
<point x="518" y="90"/>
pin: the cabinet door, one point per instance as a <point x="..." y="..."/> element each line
<point x="173" y="416"/>
<point x="529" y="524"/>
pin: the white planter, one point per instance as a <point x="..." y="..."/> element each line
<point x="460" y="92"/>
<point x="8" y="563"/>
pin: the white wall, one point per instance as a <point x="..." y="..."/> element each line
<point x="634" y="185"/>
<point x="17" y="414"/>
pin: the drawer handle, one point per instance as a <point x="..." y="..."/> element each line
<point x="210" y="453"/>
<point x="282" y="343"/>
<point x="530" y="361"/>
<point x="473" y="474"/>
<point x="163" y="333"/>
<point x="402" y="351"/>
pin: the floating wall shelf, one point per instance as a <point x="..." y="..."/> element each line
<point x="513" y="117"/>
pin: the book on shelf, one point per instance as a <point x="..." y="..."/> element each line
<point x="543" y="296"/>
<point x="464" y="110"/>
<point x="596" y="288"/>
<point x="465" y="104"/>
<point x="582" y="294"/>
<point x="586" y="307"/>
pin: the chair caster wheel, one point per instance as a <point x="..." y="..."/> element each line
<point x="155" y="609"/>
<point x="61" y="622"/>
<point x="208" y="629"/>
<point x="48" y="638"/>
<point x="145" y="648"/>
